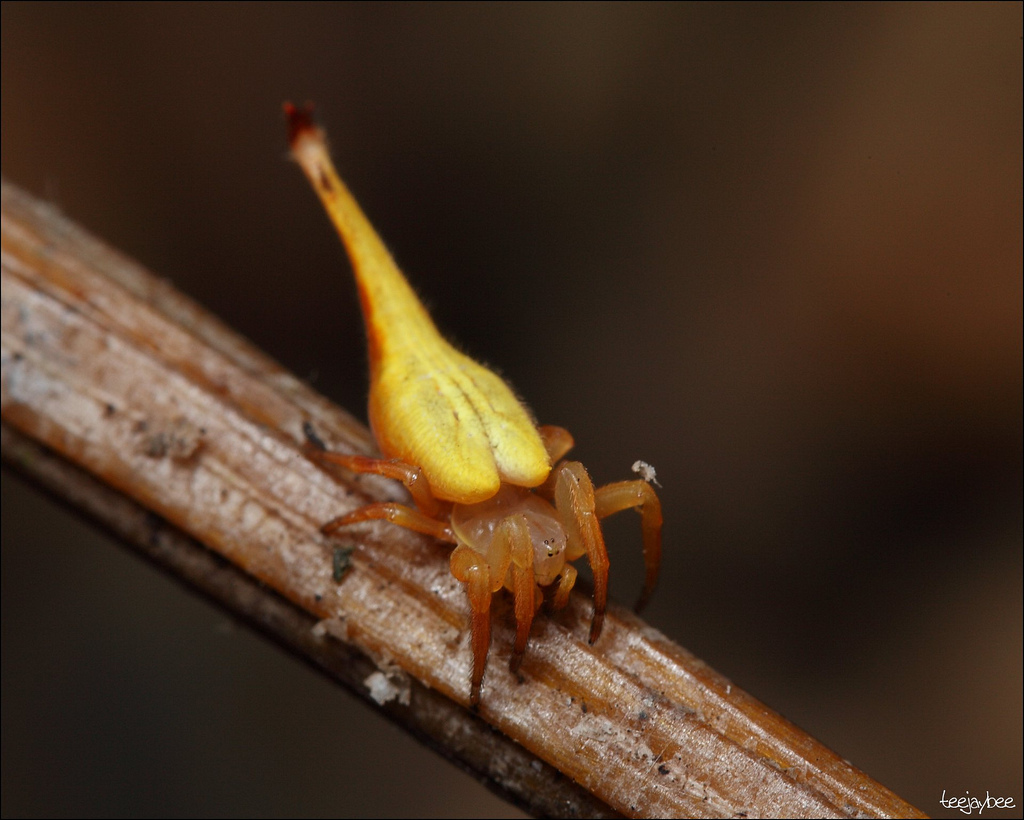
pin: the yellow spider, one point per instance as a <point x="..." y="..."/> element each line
<point x="481" y="472"/>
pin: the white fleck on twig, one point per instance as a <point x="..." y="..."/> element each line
<point x="646" y="472"/>
<point x="384" y="688"/>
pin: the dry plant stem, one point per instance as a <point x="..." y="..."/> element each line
<point x="505" y="767"/>
<point x="125" y="378"/>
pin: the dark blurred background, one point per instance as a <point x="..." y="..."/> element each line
<point x="773" y="250"/>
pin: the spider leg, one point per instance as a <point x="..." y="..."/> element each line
<point x="471" y="568"/>
<point x="410" y="475"/>
<point x="398" y="514"/>
<point x="557" y="441"/>
<point x="639" y="495"/>
<point x="514" y="532"/>
<point x="566" y="581"/>
<point x="574" y="501"/>
<point x="510" y="554"/>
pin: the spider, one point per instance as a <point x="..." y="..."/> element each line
<point x="482" y="474"/>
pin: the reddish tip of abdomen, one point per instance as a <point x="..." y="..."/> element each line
<point x="300" y="120"/>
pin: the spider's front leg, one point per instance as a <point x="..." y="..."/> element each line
<point x="509" y="555"/>
<point x="575" y="503"/>
<point x="580" y="507"/>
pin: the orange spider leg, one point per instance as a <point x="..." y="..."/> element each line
<point x="574" y="500"/>
<point x="523" y="582"/>
<point x="412" y="477"/>
<point x="557" y="441"/>
<point x="639" y="495"/>
<point x="469" y="567"/>
<point x="565" y="584"/>
<point x="484" y="575"/>
<point x="398" y="514"/>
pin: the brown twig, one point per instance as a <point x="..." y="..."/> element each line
<point x="163" y="410"/>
